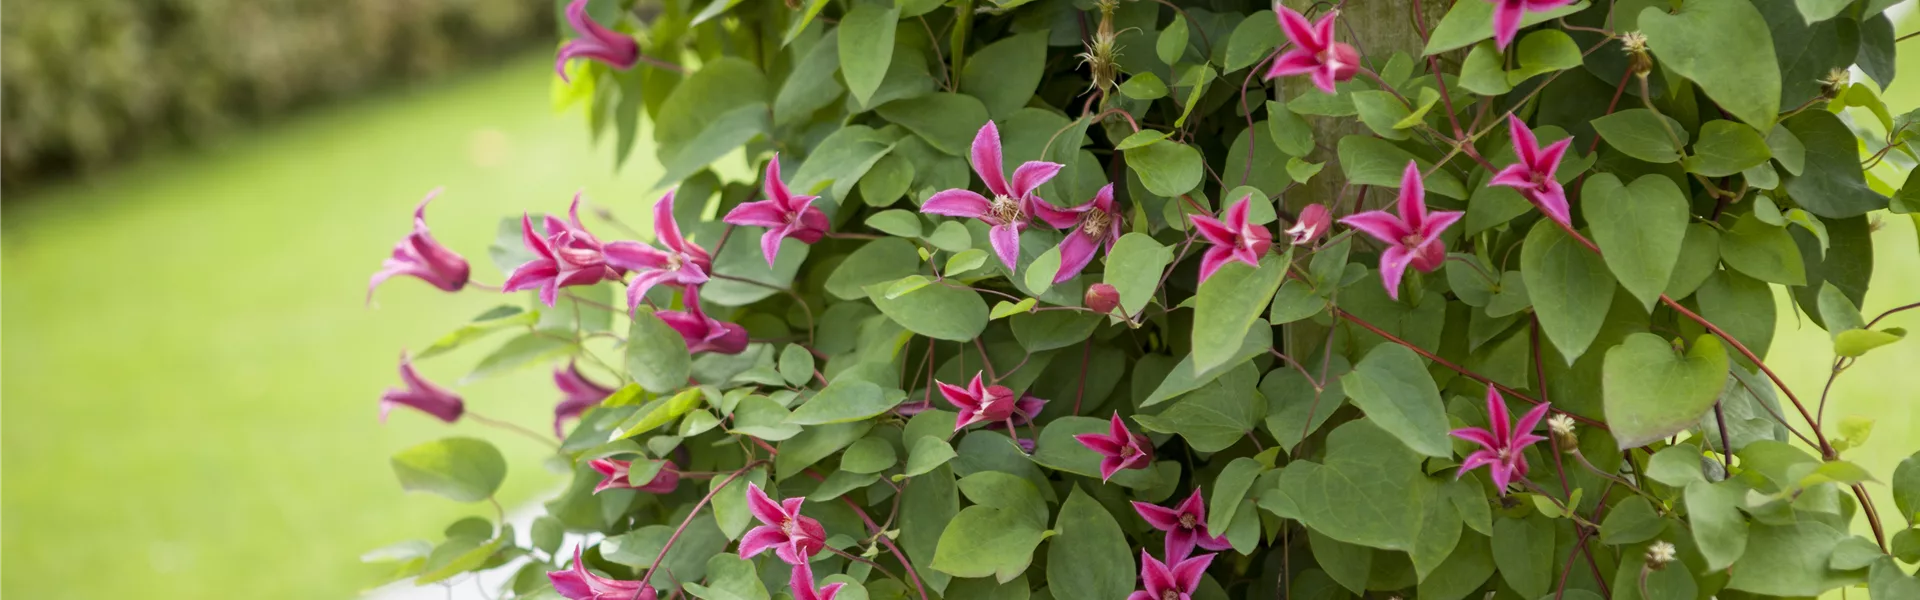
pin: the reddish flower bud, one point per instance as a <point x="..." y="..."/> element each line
<point x="421" y="395"/>
<point x="619" y="476"/>
<point x="1313" y="223"/>
<point x="1102" y="298"/>
<point x="419" y="256"/>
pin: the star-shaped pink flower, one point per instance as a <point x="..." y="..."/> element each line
<point x="576" y="583"/>
<point x="1118" y="449"/>
<point x="1186" y="526"/>
<point x="682" y="263"/>
<point x="1313" y="223"/>
<point x="419" y="256"/>
<point x="421" y="395"/>
<point x="616" y="476"/>
<point x="567" y="256"/>
<point x="1503" y="444"/>
<point x="594" y="42"/>
<point x="1314" y="51"/>
<point x="1176" y="583"/>
<point x="1012" y="204"/>
<point x="577" y="395"/>
<point x="1532" y="173"/>
<point x="701" y="332"/>
<point x="782" y="213"/>
<point x="1507" y="15"/>
<point x="1233" y="238"/>
<point x="1095" y="227"/>
<point x="801" y="582"/>
<point x="1412" y="237"/>
<point x="979" y="402"/>
<point x="792" y="537"/>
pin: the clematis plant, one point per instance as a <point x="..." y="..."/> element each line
<point x="1503" y="443"/>
<point x="1314" y="52"/>
<point x="1094" y="227"/>
<point x="565" y="255"/>
<point x="1532" y="174"/>
<point x="1177" y="582"/>
<point x="1412" y="237"/>
<point x="783" y="213"/>
<point x="578" y="393"/>
<point x="1185" y="526"/>
<point x="681" y="262"/>
<point x="792" y="537"/>
<point x="594" y="42"/>
<point x="576" y="583"/>
<point x="1232" y="237"/>
<point x="421" y="395"/>
<point x="1010" y="210"/>
<point x="1118" y="449"/>
<point x="420" y="257"/>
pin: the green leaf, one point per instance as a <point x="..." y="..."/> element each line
<point x="1294" y="410"/>
<point x="1290" y="133"/>
<point x="1699" y="259"/>
<point x="761" y="417"/>
<point x="1144" y="86"/>
<point x="696" y="545"/>
<point x="1713" y="510"/>
<point x="866" y="47"/>
<point x="906" y="285"/>
<point x="1470" y="22"/>
<point x="1295" y="301"/>
<point x="659" y="412"/>
<point x="657" y="357"/>
<point x="1637" y="132"/>
<point x="1544" y="51"/>
<point x="1857" y="342"/>
<point x="1090" y="558"/>
<point x="1523" y="549"/>
<point x="984" y="541"/>
<point x="1142" y="138"/>
<point x="1377" y="162"/>
<point x="800" y="25"/>
<point x="1370" y="491"/>
<point x="926" y="454"/>
<point x="522" y="350"/>
<point x="1185" y="378"/>
<point x="1676" y="466"/>
<point x="1483" y="73"/>
<point x="869" y="455"/>
<point x="1833" y="184"/>
<point x="966" y="260"/>
<point x="815" y="443"/>
<point x="1906" y="487"/>
<point x="878" y="261"/>
<point x="887" y="181"/>
<point x="1301" y="171"/>
<point x="1571" y="288"/>
<point x="1465" y="569"/>
<point x="1392" y="386"/>
<point x="1428" y="97"/>
<point x="1216" y="415"/>
<point x="1764" y="252"/>
<point x="946" y="121"/>
<point x="495" y="319"/>
<point x="1133" y="269"/>
<point x="1837" y="311"/>
<point x="1791" y="560"/>
<point x="1058" y="450"/>
<point x="1651" y="391"/>
<point x="1039" y="273"/>
<point x="1630" y="522"/>
<point x="1172" y="42"/>
<point x="896" y="222"/>
<point x="1169" y="169"/>
<point x="845" y="400"/>
<point x="1253" y="39"/>
<point x="1726" y="148"/>
<point x="730" y="510"/>
<point x="1640" y="229"/>
<point x="1043" y="331"/>
<point x="718" y="136"/>
<point x="729" y="577"/>
<point x="1820" y="10"/>
<point x="1229" y="489"/>
<point x="796" y="365"/>
<point x="461" y="469"/>
<point x="935" y="311"/>
<point x="1007" y="309"/>
<point x="1724" y="47"/>
<point x="1381" y="111"/>
<point x="1004" y="74"/>
<point x="1227" y="304"/>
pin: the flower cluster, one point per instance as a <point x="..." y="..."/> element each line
<point x="1185" y="527"/>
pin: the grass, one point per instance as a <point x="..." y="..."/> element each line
<point x="191" y="374"/>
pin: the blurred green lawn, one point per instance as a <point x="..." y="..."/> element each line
<point x="191" y="376"/>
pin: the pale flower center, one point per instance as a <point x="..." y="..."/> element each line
<point x="1411" y="240"/>
<point x="674" y="261"/>
<point x="789" y="527"/>
<point x="1005" y="209"/>
<point x="1169" y="595"/>
<point x="1128" y="452"/>
<point x="1188" y="521"/>
<point x="1096" y="222"/>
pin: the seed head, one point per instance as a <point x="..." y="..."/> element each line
<point x="1562" y="427"/>
<point x="1835" y="82"/>
<point x="1634" y="43"/>
<point x="1659" y="555"/>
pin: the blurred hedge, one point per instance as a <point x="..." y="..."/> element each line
<point x="87" y="82"/>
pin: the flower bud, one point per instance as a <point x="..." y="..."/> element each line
<point x="1562" y="427"/>
<point x="1102" y="298"/>
<point x="1639" y="61"/>
<point x="1313" y="222"/>
<point x="1834" y="83"/>
<point x="1659" y="555"/>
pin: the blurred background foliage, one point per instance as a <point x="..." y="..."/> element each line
<point x="90" y="82"/>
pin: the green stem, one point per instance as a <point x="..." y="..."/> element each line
<point x="962" y="28"/>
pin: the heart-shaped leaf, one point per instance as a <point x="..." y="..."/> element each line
<point x="1651" y="391"/>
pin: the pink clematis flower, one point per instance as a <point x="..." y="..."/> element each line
<point x="782" y="213"/>
<point x="1313" y="223"/>
<point x="682" y="263"/>
<point x="419" y="256"/>
<point x="618" y="477"/>
<point x="1170" y="583"/>
<point x="1507" y="15"/>
<point x="1186" y="526"/>
<point x="704" y="333"/>
<point x="421" y="395"/>
<point x="979" y="402"/>
<point x="1095" y="227"/>
<point x="1503" y="445"/>
<point x="578" y="395"/>
<point x="577" y="584"/>
<point x="792" y="537"/>
<point x="1532" y="173"/>
<point x="1314" y="51"/>
<point x="1233" y="238"/>
<point x="594" y="42"/>
<point x="1119" y="449"/>
<point x="801" y="580"/>
<point x="1412" y="238"/>
<point x="1012" y="204"/>
<point x="568" y="256"/>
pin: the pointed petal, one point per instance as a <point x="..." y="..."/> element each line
<point x="1413" y="197"/>
<point x="1154" y="575"/>
<point x="1323" y="76"/>
<point x="1236" y="215"/>
<point x="957" y="203"/>
<point x="1179" y="544"/>
<point x="1529" y="421"/>
<point x="1393" y="266"/>
<point x="1075" y="253"/>
<point x="1215" y="232"/>
<point x="1194" y="505"/>
<point x="763" y="213"/>
<point x="638" y="287"/>
<point x="1101" y="444"/>
<point x="634" y="256"/>
<point x="1057" y="217"/>
<point x="666" y="230"/>
<point x="1216" y="257"/>
<point x="775" y="189"/>
<point x="1186" y="575"/>
<point x="1298" y="30"/>
<point x="532" y="239"/>
<point x="1498" y="420"/>
<point x="1525" y="146"/>
<point x="1160" y="517"/>
<point x="1006" y="243"/>
<point x="1380" y="224"/>
<point x="1476" y="460"/>
<point x="958" y="396"/>
<point x="1476" y="435"/>
<point x="770" y="242"/>
<point x="987" y="161"/>
<point x="1297" y="61"/>
<point x="1548" y="160"/>
<point x="1506" y="21"/>
<point x="1552" y="202"/>
<point x="1437" y="222"/>
<point x="1108" y="466"/>
<point x="1030" y="176"/>
<point x="763" y="507"/>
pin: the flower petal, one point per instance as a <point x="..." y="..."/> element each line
<point x="1548" y="160"/>
<point x="1298" y="61"/>
<point x="776" y="189"/>
<point x="1075" y="253"/>
<point x="1030" y="176"/>
<point x="1215" y="232"/>
<point x="1413" y="197"/>
<point x="770" y="242"/>
<point x="1101" y="444"/>
<point x="763" y="507"/>
<point x="987" y="161"/>
<point x="1525" y="146"/>
<point x="762" y="213"/>
<point x="1160" y="517"/>
<point x="1187" y="574"/>
<point x="957" y="203"/>
<point x="1380" y="224"/>
<point x="1529" y="421"/>
<point x="1005" y="239"/>
<point x="1506" y="21"/>
<point x="1478" y="436"/>
<point x="1298" y="30"/>
<point x="666" y="230"/>
<point x="1393" y="266"/>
